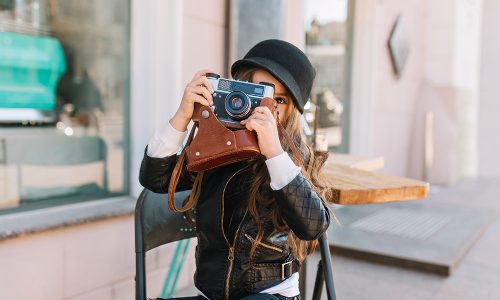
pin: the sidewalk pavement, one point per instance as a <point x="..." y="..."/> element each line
<point x="477" y="277"/>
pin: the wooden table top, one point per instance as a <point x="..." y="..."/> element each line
<point x="354" y="183"/>
<point x="356" y="161"/>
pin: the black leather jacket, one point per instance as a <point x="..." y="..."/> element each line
<point x="225" y="230"/>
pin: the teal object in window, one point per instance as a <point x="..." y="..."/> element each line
<point x="30" y="67"/>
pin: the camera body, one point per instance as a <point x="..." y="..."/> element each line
<point x="235" y="100"/>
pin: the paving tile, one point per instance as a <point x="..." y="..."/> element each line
<point x="467" y="289"/>
<point x="365" y="280"/>
<point x="486" y="252"/>
<point x="473" y="270"/>
<point x="476" y="278"/>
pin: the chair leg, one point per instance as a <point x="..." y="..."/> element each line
<point x="140" y="277"/>
<point x="327" y="266"/>
<point x="302" y="277"/>
<point x="318" y="283"/>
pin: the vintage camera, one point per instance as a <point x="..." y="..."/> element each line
<point x="235" y="100"/>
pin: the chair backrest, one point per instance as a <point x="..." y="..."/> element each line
<point x="156" y="225"/>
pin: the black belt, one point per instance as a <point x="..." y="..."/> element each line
<point x="281" y="297"/>
<point x="275" y="271"/>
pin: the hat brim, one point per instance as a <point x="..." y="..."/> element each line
<point x="280" y="73"/>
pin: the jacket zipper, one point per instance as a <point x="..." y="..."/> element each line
<point x="230" y="256"/>
<point x="251" y="239"/>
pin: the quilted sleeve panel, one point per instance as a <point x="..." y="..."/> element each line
<point x="302" y="209"/>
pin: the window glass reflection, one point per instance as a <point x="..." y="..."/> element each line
<point x="326" y="26"/>
<point x="64" y="69"/>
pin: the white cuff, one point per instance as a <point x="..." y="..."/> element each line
<point x="166" y="141"/>
<point x="282" y="170"/>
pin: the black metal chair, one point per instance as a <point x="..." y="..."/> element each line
<point x="156" y="225"/>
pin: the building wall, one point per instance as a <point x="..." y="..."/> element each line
<point x="203" y="37"/>
<point x="382" y="106"/>
<point x="396" y="98"/>
<point x="91" y="261"/>
<point x="441" y="77"/>
<point x="450" y="90"/>
<point x="489" y="104"/>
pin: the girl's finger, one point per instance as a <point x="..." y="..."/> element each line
<point x="255" y="125"/>
<point x="258" y="116"/>
<point x="197" y="82"/>
<point x="201" y="73"/>
<point x="207" y="84"/>
<point x="264" y="110"/>
<point x="203" y="91"/>
<point x="199" y="99"/>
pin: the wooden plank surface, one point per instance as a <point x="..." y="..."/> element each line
<point x="356" y="186"/>
<point x="356" y="161"/>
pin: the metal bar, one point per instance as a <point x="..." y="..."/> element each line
<point x="327" y="266"/>
<point x="318" y="283"/>
<point x="140" y="277"/>
<point x="303" y="278"/>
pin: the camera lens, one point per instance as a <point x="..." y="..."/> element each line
<point x="238" y="105"/>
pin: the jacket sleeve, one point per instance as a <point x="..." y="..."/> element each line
<point x="303" y="209"/>
<point x="155" y="174"/>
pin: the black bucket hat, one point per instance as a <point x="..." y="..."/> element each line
<point x="287" y="63"/>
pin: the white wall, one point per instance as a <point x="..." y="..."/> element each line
<point x="203" y="41"/>
<point x="440" y="76"/>
<point x="86" y="262"/>
<point x="452" y="78"/>
<point x="382" y="105"/>
<point x="489" y="104"/>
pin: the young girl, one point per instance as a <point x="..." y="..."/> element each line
<point x="255" y="220"/>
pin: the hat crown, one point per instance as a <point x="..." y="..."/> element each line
<point x="282" y="52"/>
<point x="287" y="63"/>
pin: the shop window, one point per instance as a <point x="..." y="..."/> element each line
<point x="328" y="32"/>
<point x="64" y="98"/>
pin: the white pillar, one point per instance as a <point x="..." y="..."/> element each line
<point x="453" y="51"/>
<point x="363" y="80"/>
<point x="156" y="77"/>
<point x="489" y="104"/>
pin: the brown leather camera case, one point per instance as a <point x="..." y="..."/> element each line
<point x="215" y="145"/>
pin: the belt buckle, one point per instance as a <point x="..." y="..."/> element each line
<point x="283" y="268"/>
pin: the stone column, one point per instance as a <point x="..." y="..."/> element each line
<point x="453" y="48"/>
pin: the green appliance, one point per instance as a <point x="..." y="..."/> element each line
<point x="30" y="68"/>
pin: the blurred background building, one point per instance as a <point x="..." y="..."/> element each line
<point x="83" y="85"/>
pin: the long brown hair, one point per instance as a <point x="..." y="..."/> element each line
<point x="261" y="192"/>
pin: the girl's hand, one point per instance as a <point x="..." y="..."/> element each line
<point x="263" y="122"/>
<point x="198" y="90"/>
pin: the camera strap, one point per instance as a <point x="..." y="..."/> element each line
<point x="190" y="201"/>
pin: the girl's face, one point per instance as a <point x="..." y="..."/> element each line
<point x="280" y="93"/>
